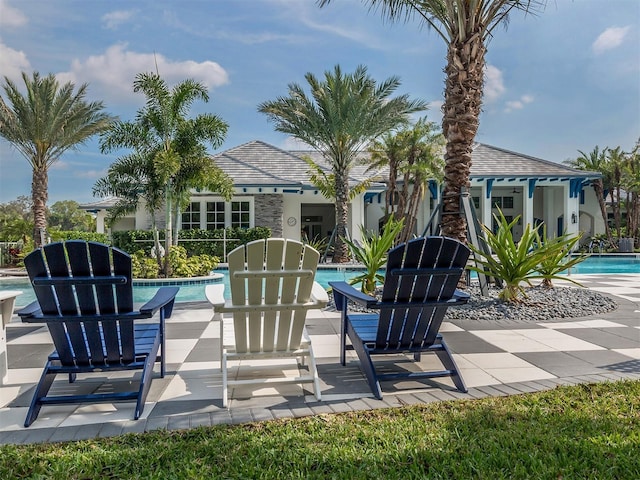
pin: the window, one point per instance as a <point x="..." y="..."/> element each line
<point x="191" y="217"/>
<point x="476" y="202"/>
<point x="501" y="202"/>
<point x="496" y="202"/>
<point x="240" y="214"/>
<point x="507" y="202"/>
<point x="215" y="215"/>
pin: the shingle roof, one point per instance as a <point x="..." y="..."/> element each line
<point x="488" y="161"/>
<point x="257" y="163"/>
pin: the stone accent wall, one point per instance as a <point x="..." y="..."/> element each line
<point x="268" y="210"/>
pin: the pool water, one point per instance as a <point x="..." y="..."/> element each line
<point x="195" y="293"/>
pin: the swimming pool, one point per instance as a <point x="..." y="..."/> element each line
<point x="194" y="292"/>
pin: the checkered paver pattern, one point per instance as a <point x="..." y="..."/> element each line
<point x="496" y="358"/>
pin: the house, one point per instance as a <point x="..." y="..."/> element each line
<point x="272" y="189"/>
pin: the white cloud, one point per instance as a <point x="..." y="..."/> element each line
<point x="493" y="84"/>
<point x="518" y="104"/>
<point x="11" y="17"/>
<point x="13" y="62"/>
<point x="113" y="71"/>
<point x="611" y="38"/>
<point x="90" y="174"/>
<point x="113" y="20"/>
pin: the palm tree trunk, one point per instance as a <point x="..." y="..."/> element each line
<point x="597" y="188"/>
<point x="39" y="196"/>
<point x="340" y="249"/>
<point x="463" y="100"/>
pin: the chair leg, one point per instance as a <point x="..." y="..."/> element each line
<point x="223" y="366"/>
<point x="369" y="370"/>
<point x="145" y="380"/>
<point x="46" y="380"/>
<point x="449" y="363"/>
<point x="313" y="370"/>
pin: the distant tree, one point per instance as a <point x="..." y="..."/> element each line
<point x="16" y="220"/>
<point x="631" y="184"/>
<point x="343" y="114"/>
<point x="67" y="215"/>
<point x="169" y="147"/>
<point x="42" y="125"/>
<point x="466" y="26"/>
<point x="596" y="161"/>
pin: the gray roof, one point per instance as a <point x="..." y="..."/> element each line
<point x="107" y="202"/>
<point x="257" y="163"/>
<point x="493" y="162"/>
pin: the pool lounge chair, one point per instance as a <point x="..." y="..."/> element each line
<point x="420" y="284"/>
<point x="272" y="289"/>
<point x="85" y="296"/>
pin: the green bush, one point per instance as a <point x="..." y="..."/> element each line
<point x="196" y="242"/>
<point x="63" y="235"/>
<point x="143" y="266"/>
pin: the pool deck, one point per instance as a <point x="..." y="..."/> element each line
<point x="497" y="358"/>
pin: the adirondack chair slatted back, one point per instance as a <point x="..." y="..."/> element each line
<point x="421" y="277"/>
<point x="80" y="282"/>
<point x="273" y="279"/>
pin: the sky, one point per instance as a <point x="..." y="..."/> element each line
<point x="562" y="80"/>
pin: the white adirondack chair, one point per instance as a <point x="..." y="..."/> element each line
<point x="272" y="288"/>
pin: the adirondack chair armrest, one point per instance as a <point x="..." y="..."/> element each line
<point x="164" y="297"/>
<point x="319" y="295"/>
<point x="29" y="311"/>
<point x="343" y="290"/>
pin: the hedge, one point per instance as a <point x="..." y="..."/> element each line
<point x="63" y="235"/>
<point x="196" y="242"/>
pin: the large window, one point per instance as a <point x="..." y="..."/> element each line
<point x="191" y="217"/>
<point x="214" y="214"/>
<point x="240" y="214"/>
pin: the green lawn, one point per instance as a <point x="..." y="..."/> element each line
<point x="584" y="431"/>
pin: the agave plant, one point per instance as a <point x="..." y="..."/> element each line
<point x="558" y="257"/>
<point x="372" y="253"/>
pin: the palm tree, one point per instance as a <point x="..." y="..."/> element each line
<point x="132" y="180"/>
<point x="414" y="155"/>
<point x="466" y="26"/>
<point x="42" y="125"/>
<point x="596" y="161"/>
<point x="174" y="143"/>
<point x="344" y="113"/>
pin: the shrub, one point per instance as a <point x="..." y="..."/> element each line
<point x="196" y="242"/>
<point x="143" y="266"/>
<point x="63" y="235"/>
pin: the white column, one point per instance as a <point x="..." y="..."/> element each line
<point x="7" y="302"/>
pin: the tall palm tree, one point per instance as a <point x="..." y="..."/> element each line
<point x="466" y="26"/>
<point x="596" y="161"/>
<point x="175" y="143"/>
<point x="42" y="125"/>
<point x="344" y="113"/>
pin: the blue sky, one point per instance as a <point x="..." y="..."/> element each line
<point x="565" y="80"/>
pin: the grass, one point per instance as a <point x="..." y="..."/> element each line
<point x="583" y="431"/>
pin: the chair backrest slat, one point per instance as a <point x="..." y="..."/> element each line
<point x="67" y="269"/>
<point x="266" y="273"/>
<point x="419" y="273"/>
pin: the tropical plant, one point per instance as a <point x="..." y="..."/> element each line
<point x="325" y="181"/>
<point x="518" y="263"/>
<point x="67" y="215"/>
<point x="466" y="26"/>
<point x="558" y="256"/>
<point x="42" y="125"/>
<point x="413" y="156"/>
<point x="342" y="115"/>
<point x="596" y="161"/>
<point x="372" y="253"/>
<point x="163" y="137"/>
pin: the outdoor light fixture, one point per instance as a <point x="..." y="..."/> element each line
<point x="574" y="218"/>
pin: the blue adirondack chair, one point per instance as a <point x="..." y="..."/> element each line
<point x="420" y="284"/>
<point x="85" y="296"/>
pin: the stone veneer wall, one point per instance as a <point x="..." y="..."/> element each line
<point x="268" y="210"/>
